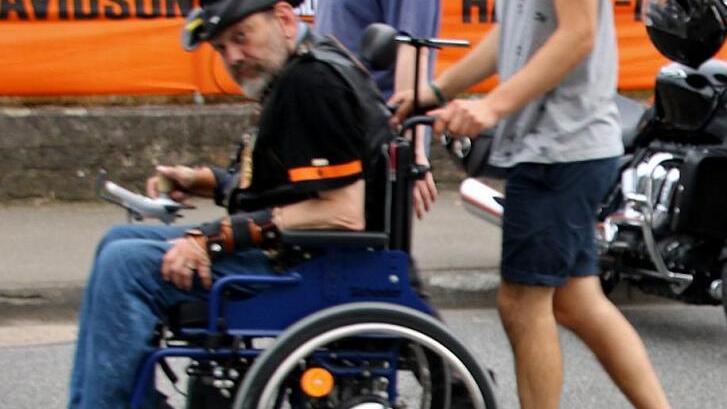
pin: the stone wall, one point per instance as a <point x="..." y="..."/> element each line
<point x="55" y="153"/>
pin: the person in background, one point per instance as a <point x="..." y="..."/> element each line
<point x="347" y="19"/>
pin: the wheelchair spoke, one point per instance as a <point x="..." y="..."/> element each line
<point x="353" y="347"/>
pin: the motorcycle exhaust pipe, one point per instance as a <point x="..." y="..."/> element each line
<point x="482" y="201"/>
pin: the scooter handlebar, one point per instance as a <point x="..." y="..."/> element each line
<point x="140" y="206"/>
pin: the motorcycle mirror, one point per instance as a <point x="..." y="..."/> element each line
<point x="378" y="46"/>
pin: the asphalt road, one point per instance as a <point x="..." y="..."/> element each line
<point x="45" y="261"/>
<point x="688" y="346"/>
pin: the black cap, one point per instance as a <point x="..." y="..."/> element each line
<point x="214" y="16"/>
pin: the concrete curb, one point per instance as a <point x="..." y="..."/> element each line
<point x="40" y="304"/>
<point x="465" y="288"/>
<point x="461" y="288"/>
<point x="59" y="302"/>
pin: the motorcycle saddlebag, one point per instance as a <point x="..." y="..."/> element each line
<point x="701" y="201"/>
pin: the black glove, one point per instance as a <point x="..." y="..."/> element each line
<point x="237" y="232"/>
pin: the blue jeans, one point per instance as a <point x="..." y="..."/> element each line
<point x="125" y="298"/>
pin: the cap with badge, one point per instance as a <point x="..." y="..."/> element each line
<point x="203" y="23"/>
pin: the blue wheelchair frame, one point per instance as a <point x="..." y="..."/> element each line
<point x="338" y="276"/>
<point x="349" y="267"/>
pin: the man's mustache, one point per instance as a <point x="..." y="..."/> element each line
<point x="248" y="70"/>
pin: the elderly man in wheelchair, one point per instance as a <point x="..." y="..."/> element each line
<point x="314" y="252"/>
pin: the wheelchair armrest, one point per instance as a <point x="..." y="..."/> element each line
<point x="334" y="238"/>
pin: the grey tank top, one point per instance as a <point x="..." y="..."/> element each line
<point x="576" y="121"/>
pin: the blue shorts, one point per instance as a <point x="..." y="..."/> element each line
<point x="549" y="219"/>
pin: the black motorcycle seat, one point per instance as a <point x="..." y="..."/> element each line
<point x="630" y="112"/>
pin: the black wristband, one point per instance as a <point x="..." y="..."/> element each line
<point x="210" y="229"/>
<point x="438" y="94"/>
<point x="219" y="237"/>
<point x="255" y="229"/>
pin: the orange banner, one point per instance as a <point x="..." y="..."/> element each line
<point x="131" y="47"/>
<point x="639" y="61"/>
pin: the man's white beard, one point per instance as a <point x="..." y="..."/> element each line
<point x="253" y="88"/>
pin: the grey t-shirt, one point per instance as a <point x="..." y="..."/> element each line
<point x="576" y="121"/>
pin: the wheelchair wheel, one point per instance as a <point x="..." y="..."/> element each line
<point x="344" y="341"/>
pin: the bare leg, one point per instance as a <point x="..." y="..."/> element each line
<point x="527" y="316"/>
<point x="581" y="306"/>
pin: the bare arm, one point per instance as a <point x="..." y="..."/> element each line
<point x="341" y="209"/>
<point x="404" y="80"/>
<point x="571" y="42"/>
<point x="182" y="181"/>
<point x="477" y="65"/>
<point x="404" y="71"/>
<point x="425" y="190"/>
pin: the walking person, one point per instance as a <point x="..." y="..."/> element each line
<point x="347" y="19"/>
<point x="558" y="136"/>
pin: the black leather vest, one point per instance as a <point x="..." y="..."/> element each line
<point x="374" y="117"/>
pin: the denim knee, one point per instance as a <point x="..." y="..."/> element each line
<point x="140" y="231"/>
<point x="118" y="232"/>
<point x="134" y="259"/>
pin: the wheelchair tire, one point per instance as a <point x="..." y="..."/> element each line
<point x="272" y="368"/>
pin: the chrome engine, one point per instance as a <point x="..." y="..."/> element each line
<point x="648" y="190"/>
<point x="637" y="239"/>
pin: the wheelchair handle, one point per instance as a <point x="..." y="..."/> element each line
<point x="432" y="42"/>
<point x="417" y="120"/>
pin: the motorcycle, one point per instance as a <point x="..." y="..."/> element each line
<point x="662" y="226"/>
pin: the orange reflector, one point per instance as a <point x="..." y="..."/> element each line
<point x="316" y="382"/>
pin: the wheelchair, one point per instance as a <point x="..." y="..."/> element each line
<point x="343" y="329"/>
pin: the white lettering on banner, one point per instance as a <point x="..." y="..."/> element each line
<point x="308" y="8"/>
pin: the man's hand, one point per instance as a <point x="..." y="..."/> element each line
<point x="182" y="261"/>
<point x="464" y="117"/>
<point x="183" y="182"/>
<point x="425" y="190"/>
<point x="404" y="101"/>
